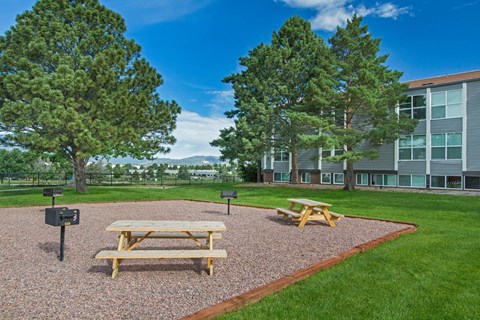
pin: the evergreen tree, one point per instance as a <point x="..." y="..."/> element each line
<point x="280" y="95"/>
<point x="72" y="84"/>
<point x="364" y="109"/>
<point x="183" y="173"/>
<point x="118" y="171"/>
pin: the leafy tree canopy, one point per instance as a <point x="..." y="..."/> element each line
<point x="72" y="84"/>
<point x="280" y="95"/>
<point x="366" y="98"/>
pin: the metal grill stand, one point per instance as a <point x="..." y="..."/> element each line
<point x="61" y="217"/>
<point x="53" y="192"/>
<point x="62" y="242"/>
<point x="228" y="194"/>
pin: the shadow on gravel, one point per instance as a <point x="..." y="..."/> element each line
<point x="198" y="267"/>
<point x="289" y="222"/>
<point x="50" y="247"/>
<point x="216" y="212"/>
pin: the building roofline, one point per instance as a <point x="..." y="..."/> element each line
<point x="443" y="80"/>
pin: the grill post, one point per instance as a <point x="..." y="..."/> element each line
<point x="228" y="194"/>
<point x="53" y="192"/>
<point x="62" y="242"/>
<point x="61" y="217"/>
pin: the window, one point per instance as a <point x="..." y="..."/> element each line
<point x="389" y="180"/>
<point x="281" y="177"/>
<point x="326" y="178"/>
<point x="414" y="107"/>
<point x="437" y="181"/>
<point x="326" y="153"/>
<point x="415" y="181"/>
<point x="336" y="116"/>
<point x="448" y="182"/>
<point x="472" y="183"/>
<point x="305" y="177"/>
<point x="377" y="180"/>
<point x="338" y="178"/>
<point x="412" y="147"/>
<point x="362" y="179"/>
<point x="281" y="155"/>
<point x="384" y="180"/>
<point x="447" y="146"/>
<point x="447" y="104"/>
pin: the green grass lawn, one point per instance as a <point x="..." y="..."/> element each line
<point x="433" y="273"/>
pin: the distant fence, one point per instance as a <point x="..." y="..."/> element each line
<point x="16" y="179"/>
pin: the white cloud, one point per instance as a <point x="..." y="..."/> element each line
<point x="144" y="12"/>
<point x="333" y="13"/>
<point x="389" y="10"/>
<point x="194" y="134"/>
<point x="221" y="101"/>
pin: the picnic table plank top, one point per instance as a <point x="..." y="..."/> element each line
<point x="308" y="202"/>
<point x="166" y="226"/>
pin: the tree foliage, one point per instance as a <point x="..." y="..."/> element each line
<point x="71" y="84"/>
<point x="248" y="172"/>
<point x="366" y="98"/>
<point x="279" y="96"/>
<point x="14" y="161"/>
<point x="183" y="173"/>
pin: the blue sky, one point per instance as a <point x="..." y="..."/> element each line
<point x="194" y="44"/>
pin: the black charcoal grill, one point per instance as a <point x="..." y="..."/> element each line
<point x="61" y="217"/>
<point x="53" y="192"/>
<point x="228" y="194"/>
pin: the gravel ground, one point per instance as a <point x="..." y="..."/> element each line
<point x="261" y="247"/>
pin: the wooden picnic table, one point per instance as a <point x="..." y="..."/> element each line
<point x="133" y="232"/>
<point x="310" y="210"/>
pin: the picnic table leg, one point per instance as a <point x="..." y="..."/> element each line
<point x="210" y="240"/>
<point x="194" y="239"/>
<point x="328" y="217"/>
<point x="210" y="247"/>
<point x="121" y="241"/>
<point x="210" y="266"/>
<point x="116" y="262"/>
<point x="306" y="214"/>
<point x="115" y="265"/>
<point x="290" y="207"/>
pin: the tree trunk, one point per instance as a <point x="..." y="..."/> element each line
<point x="80" y="177"/>
<point x="349" y="177"/>
<point x="294" y="173"/>
<point x="259" y="171"/>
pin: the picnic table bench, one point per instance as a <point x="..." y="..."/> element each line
<point x="309" y="211"/>
<point x="133" y="232"/>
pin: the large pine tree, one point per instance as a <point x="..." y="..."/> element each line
<point x="364" y="110"/>
<point x="280" y="94"/>
<point x="72" y="84"/>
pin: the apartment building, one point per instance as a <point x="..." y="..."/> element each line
<point x="442" y="153"/>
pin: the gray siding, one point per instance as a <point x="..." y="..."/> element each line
<point x="280" y="166"/>
<point x="473" y="126"/>
<point x="385" y="161"/>
<point x="415" y="92"/>
<point x="446" y="167"/>
<point x="421" y="128"/>
<point x="412" y="167"/>
<point x="446" y="125"/>
<point x="457" y="86"/>
<point x="332" y="167"/>
<point x="308" y="159"/>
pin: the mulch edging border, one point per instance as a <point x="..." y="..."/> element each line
<point x="258" y="293"/>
